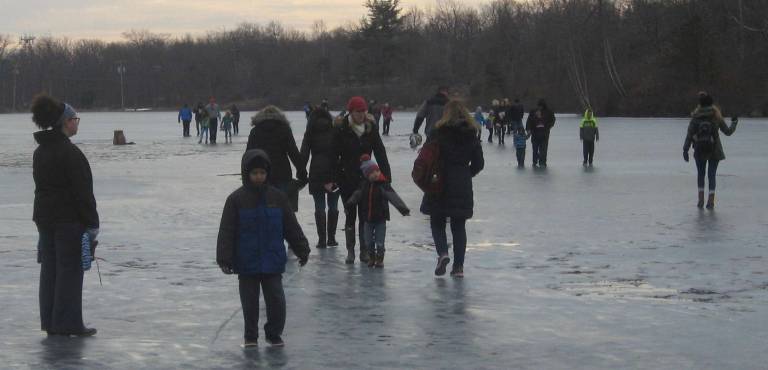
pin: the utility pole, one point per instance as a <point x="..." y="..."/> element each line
<point x="15" y="74"/>
<point x="121" y="71"/>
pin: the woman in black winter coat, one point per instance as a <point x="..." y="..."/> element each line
<point x="272" y="133"/>
<point x="318" y="143"/>
<point x="461" y="158"/>
<point x="64" y="210"/>
<point x="356" y="135"/>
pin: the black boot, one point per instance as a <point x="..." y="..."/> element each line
<point x="333" y="221"/>
<point x="320" y="225"/>
<point x="349" y="233"/>
<point x="364" y="250"/>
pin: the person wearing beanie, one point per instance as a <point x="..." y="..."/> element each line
<point x="318" y="144"/>
<point x="356" y="135"/>
<point x="373" y="198"/>
<point x="256" y="219"/>
<point x="64" y="211"/>
<point x="539" y="124"/>
<point x="703" y="135"/>
<point x="272" y="133"/>
<point x="431" y="110"/>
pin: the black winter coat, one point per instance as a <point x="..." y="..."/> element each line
<point x="318" y="142"/>
<point x="272" y="133"/>
<point x="431" y="111"/>
<point x="549" y="121"/>
<point x="461" y="157"/>
<point x="349" y="148"/>
<point x="374" y="198"/>
<point x="255" y="222"/>
<point x="708" y="114"/>
<point x="63" y="182"/>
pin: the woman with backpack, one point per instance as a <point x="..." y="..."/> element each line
<point x="707" y="148"/>
<point x="460" y="159"/>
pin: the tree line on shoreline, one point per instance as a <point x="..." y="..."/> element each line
<point x="621" y="57"/>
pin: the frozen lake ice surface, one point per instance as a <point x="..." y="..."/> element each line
<point x="567" y="268"/>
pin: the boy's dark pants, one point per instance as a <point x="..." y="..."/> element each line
<point x="61" y="278"/>
<point x="274" y="298"/>
<point x="589" y="151"/>
<point x="213" y="126"/>
<point x="520" y="156"/>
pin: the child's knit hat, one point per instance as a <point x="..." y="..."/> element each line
<point x="367" y="165"/>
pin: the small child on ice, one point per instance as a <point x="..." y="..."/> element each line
<point x="374" y="196"/>
<point x="203" y="126"/>
<point x="226" y="126"/>
<point x="520" y="137"/>
<point x="256" y="219"/>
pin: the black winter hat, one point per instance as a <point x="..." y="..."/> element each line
<point x="705" y="100"/>
<point x="258" y="162"/>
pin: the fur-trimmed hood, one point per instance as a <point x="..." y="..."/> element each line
<point x="342" y="122"/>
<point x="269" y="113"/>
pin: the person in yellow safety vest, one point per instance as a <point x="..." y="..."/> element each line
<point x="589" y="133"/>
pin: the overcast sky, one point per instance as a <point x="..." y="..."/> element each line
<point x="107" y="19"/>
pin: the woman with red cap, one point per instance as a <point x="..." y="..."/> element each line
<point x="357" y="135"/>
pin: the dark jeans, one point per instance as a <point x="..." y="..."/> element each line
<point x="459" y="232"/>
<point x="236" y="125"/>
<point x="711" y="172"/>
<point x="351" y="214"/>
<point x="61" y="278"/>
<point x="520" y="152"/>
<point x="213" y="127"/>
<point x="490" y="135"/>
<point x="321" y="199"/>
<point x="387" y="121"/>
<point x="500" y="131"/>
<point x="539" y="147"/>
<point x="375" y="236"/>
<point x="589" y="150"/>
<point x="186" y="127"/>
<point x="274" y="298"/>
<point x="197" y="125"/>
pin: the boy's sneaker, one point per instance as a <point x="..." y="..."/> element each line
<point x="275" y="341"/>
<point x="457" y="272"/>
<point x="442" y="262"/>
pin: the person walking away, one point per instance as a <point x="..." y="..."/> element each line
<point x="256" y="219"/>
<point x="272" y="133"/>
<point x="493" y="117"/>
<point x="198" y="111"/>
<point x="185" y="117"/>
<point x="461" y="158"/>
<point x="375" y="110"/>
<point x="431" y="110"/>
<point x="226" y="126"/>
<point x="319" y="138"/>
<point x="500" y="126"/>
<point x="589" y="133"/>
<point x="214" y="115"/>
<point x="539" y="124"/>
<point x="373" y="198"/>
<point x="203" y="127"/>
<point x="356" y="135"/>
<point x="703" y="134"/>
<point x="386" y="112"/>
<point x="520" y="137"/>
<point x="64" y="212"/>
<point x="480" y="119"/>
<point x="235" y="119"/>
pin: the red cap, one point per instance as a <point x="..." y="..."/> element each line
<point x="357" y="104"/>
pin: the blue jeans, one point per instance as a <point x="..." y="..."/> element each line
<point x="459" y="232"/>
<point x="332" y="201"/>
<point x="711" y="172"/>
<point x="203" y="132"/>
<point x="375" y="235"/>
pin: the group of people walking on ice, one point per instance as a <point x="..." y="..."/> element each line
<point x="207" y="118"/>
<point x="347" y="160"/>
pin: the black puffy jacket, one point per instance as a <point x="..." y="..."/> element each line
<point x="63" y="182"/>
<point x="461" y="158"/>
<point x="318" y="142"/>
<point x="272" y="133"/>
<point x="349" y="148"/>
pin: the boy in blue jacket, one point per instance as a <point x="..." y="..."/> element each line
<point x="256" y="221"/>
